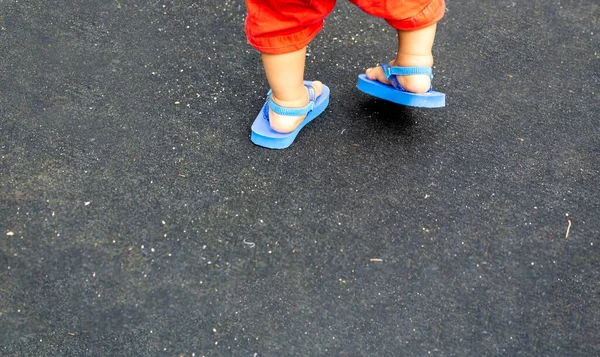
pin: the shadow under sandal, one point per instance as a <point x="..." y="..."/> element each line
<point x="396" y="93"/>
<point x="262" y="133"/>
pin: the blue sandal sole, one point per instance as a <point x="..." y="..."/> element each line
<point x="431" y="99"/>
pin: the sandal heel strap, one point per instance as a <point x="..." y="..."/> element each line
<point x="391" y="73"/>
<point x="294" y="111"/>
<point x="406" y="71"/>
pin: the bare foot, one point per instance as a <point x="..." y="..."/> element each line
<point x="419" y="83"/>
<point x="287" y="124"/>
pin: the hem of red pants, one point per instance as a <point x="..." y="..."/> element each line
<point x="292" y="42"/>
<point x="434" y="12"/>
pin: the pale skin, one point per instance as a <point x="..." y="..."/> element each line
<point x="285" y="74"/>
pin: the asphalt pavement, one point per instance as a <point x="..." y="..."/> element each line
<point x="137" y="218"/>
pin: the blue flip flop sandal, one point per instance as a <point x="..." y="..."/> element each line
<point x="263" y="135"/>
<point x="395" y="93"/>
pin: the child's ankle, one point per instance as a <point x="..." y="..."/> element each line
<point x="410" y="60"/>
<point x="289" y="102"/>
<point x="292" y="96"/>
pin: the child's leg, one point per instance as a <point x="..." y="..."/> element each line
<point x="285" y="73"/>
<point x="414" y="49"/>
<point x="281" y="30"/>
<point x="415" y="21"/>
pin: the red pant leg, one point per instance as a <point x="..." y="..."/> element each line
<point x="282" y="26"/>
<point x="405" y="14"/>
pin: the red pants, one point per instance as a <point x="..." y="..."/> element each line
<point x="282" y="26"/>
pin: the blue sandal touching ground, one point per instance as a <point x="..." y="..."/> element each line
<point x="395" y="93"/>
<point x="264" y="136"/>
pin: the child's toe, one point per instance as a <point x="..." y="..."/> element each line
<point x="318" y="86"/>
<point x="376" y="74"/>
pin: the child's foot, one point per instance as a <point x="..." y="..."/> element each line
<point x="419" y="83"/>
<point x="285" y="123"/>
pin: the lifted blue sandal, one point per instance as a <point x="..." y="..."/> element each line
<point x="263" y="135"/>
<point x="395" y="93"/>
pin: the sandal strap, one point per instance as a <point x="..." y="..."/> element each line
<point x="294" y="111"/>
<point x="392" y="71"/>
<point x="406" y="71"/>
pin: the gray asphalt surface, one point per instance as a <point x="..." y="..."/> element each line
<point x="137" y="219"/>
